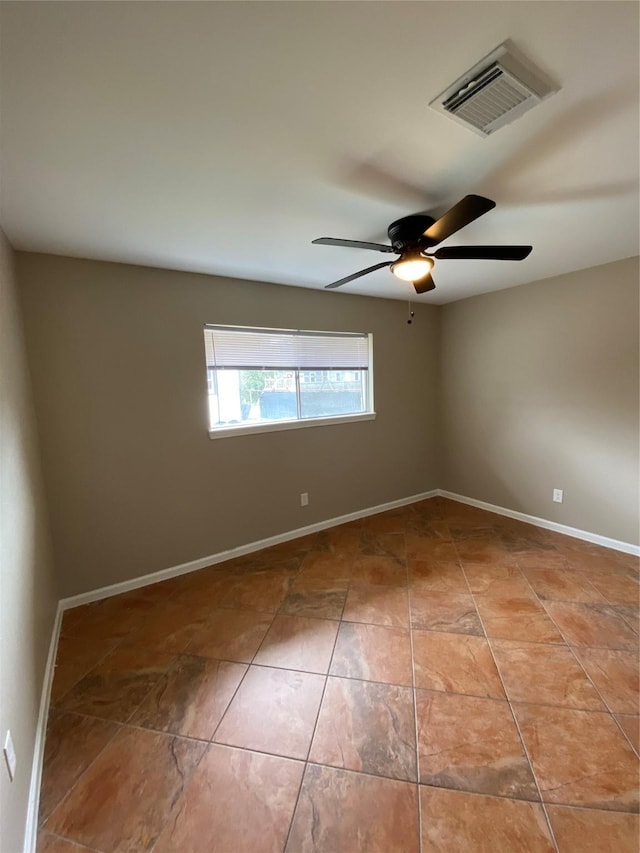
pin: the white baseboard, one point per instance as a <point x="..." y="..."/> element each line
<point x="33" y="805"/>
<point x="605" y="541"/>
<point x="203" y="562"/>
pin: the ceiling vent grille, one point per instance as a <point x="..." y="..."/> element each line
<point x="494" y="92"/>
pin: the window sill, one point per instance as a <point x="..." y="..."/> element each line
<point x="276" y="426"/>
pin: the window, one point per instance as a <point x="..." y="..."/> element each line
<point x="261" y="379"/>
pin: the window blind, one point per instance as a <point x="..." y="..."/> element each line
<point x="238" y="348"/>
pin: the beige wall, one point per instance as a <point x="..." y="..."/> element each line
<point x="539" y="390"/>
<point x="28" y="596"/>
<point x="136" y="484"/>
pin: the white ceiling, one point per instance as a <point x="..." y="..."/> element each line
<point x="224" y="137"/>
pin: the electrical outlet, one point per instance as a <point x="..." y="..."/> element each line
<point x="10" y="755"/>
<point x="558" y="495"/>
<point x="304" y="499"/>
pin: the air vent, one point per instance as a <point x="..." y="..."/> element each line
<point x="499" y="89"/>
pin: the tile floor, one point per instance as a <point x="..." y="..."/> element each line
<point x="433" y="678"/>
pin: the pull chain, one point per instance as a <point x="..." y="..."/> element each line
<point x="411" y="313"/>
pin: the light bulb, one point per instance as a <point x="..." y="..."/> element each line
<point x="412" y="268"/>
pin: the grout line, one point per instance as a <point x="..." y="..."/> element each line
<point x="66" y="796"/>
<point x="315" y="725"/>
<point x="185" y="787"/>
<point x="515" y="722"/>
<point x="69" y="840"/>
<point x="606" y="704"/>
<point x="625" y="735"/>
<point x="415" y="714"/>
<point x="524" y="747"/>
<point x="211" y="741"/>
<point x="235" y="692"/>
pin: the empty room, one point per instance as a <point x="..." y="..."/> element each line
<point x="319" y="426"/>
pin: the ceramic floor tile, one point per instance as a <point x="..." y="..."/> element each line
<point x="539" y="559"/>
<point x="274" y="710"/>
<point x="263" y="591"/>
<point x="341" y="541"/>
<point x="616" y="588"/>
<point x="595" y="625"/>
<point x="420" y="547"/>
<point x="287" y="556"/>
<point x="457" y="822"/>
<point x="434" y="576"/>
<point x="600" y="562"/>
<point x="471" y="744"/>
<point x="230" y="635"/>
<point x="171" y="628"/>
<point x="295" y="642"/>
<point x="390" y="545"/>
<point x="444" y="611"/>
<point x="118" y="684"/>
<point x="254" y="797"/>
<point x="431" y="528"/>
<point x="209" y="584"/>
<point x="615" y="674"/>
<point x="488" y="551"/>
<point x="497" y="581"/>
<point x="137" y="768"/>
<point x="351" y="812"/>
<point x="74" y="659"/>
<point x="274" y="560"/>
<point x="519" y="541"/>
<point x="630" y="614"/>
<point x="455" y="663"/>
<point x="162" y="591"/>
<point x="297" y="547"/>
<point x="373" y="653"/>
<point x="516" y="619"/>
<point x="247" y="564"/>
<point x="562" y="585"/>
<point x="326" y="565"/>
<point x="392" y="521"/>
<point x="546" y="675"/>
<point x="592" y="831"/>
<point x="72" y="743"/>
<point x="383" y="570"/>
<point x="380" y="605"/>
<point x="191" y="697"/>
<point x="579" y="757"/>
<point x="368" y="727"/>
<point x="321" y="599"/>
<point x="630" y="725"/>
<point x="110" y="619"/>
<point x="72" y="620"/>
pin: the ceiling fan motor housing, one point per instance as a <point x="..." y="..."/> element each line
<point x="407" y="233"/>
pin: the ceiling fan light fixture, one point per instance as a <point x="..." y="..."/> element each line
<point x="412" y="267"/>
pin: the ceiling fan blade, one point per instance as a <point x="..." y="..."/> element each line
<point x="353" y="244"/>
<point x="358" y="274"/>
<point x="471" y="207"/>
<point x="489" y="253"/>
<point x="425" y="284"/>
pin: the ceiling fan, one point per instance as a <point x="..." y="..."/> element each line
<point x="412" y="236"/>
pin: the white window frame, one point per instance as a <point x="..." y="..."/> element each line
<point x="299" y="423"/>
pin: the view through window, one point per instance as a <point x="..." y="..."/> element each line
<point x="261" y="376"/>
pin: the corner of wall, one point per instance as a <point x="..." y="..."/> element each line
<point x="29" y="590"/>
